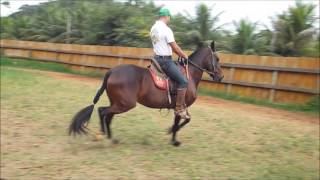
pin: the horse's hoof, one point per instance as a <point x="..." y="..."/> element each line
<point x="115" y="141"/>
<point x="176" y="143"/>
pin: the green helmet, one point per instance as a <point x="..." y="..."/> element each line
<point x="164" y="12"/>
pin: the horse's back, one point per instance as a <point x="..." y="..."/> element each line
<point x="126" y="75"/>
<point x="128" y="67"/>
<point x="127" y="71"/>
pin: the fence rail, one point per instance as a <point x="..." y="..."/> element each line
<point x="228" y="65"/>
<point x="276" y="83"/>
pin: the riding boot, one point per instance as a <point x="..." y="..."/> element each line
<point x="181" y="109"/>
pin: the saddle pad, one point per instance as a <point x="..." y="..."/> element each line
<point x="161" y="82"/>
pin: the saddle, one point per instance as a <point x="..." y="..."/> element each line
<point x="159" y="77"/>
<point x="161" y="80"/>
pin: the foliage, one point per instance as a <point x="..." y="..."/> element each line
<point x="247" y="40"/>
<point x="196" y="31"/>
<point x="294" y="33"/>
<point x="127" y="23"/>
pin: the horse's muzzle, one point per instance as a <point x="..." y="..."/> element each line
<point x="217" y="78"/>
<point x="220" y="78"/>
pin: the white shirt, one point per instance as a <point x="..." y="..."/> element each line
<point x="161" y="35"/>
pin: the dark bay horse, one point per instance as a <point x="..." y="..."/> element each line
<point x="128" y="84"/>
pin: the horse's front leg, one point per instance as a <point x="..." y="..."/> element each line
<point x="175" y="129"/>
<point x="186" y="121"/>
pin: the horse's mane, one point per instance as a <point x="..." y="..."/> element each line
<point x="191" y="56"/>
<point x="193" y="53"/>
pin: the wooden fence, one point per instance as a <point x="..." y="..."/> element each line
<point x="277" y="79"/>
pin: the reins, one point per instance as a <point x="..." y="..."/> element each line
<point x="197" y="66"/>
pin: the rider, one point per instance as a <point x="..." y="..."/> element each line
<point x="163" y="43"/>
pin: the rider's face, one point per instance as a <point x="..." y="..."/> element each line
<point x="168" y="19"/>
<point x="165" y="19"/>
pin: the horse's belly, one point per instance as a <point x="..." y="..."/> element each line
<point x="157" y="99"/>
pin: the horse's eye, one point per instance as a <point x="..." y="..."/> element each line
<point x="217" y="58"/>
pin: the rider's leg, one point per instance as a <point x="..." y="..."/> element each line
<point x="174" y="73"/>
<point x="181" y="109"/>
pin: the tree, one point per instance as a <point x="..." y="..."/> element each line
<point x="128" y="23"/>
<point x="135" y="27"/>
<point x="198" y="30"/>
<point x="294" y="33"/>
<point x="247" y="39"/>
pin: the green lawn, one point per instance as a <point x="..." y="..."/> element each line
<point x="219" y="143"/>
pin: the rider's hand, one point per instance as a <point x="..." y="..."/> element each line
<point x="184" y="56"/>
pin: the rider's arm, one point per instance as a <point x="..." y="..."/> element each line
<point x="175" y="47"/>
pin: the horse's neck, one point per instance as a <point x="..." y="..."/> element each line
<point x="198" y="59"/>
<point x="195" y="74"/>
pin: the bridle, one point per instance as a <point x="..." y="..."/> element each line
<point x="202" y="69"/>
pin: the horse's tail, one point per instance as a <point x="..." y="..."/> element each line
<point x="80" y="121"/>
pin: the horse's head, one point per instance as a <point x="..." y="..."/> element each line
<point x="212" y="64"/>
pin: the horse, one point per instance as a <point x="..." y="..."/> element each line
<point x="127" y="85"/>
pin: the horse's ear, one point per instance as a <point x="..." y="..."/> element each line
<point x="213" y="47"/>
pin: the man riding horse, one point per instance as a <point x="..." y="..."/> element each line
<point x="163" y="43"/>
<point x="127" y="84"/>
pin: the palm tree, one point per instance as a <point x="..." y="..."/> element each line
<point x="294" y="31"/>
<point x="247" y="40"/>
<point x="200" y="29"/>
<point x="243" y="40"/>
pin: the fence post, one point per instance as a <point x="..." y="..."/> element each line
<point x="30" y="54"/>
<point x="141" y="62"/>
<point x="273" y="83"/>
<point x="57" y="57"/>
<point x="231" y="74"/>
<point x="120" y="60"/>
<point x="318" y="84"/>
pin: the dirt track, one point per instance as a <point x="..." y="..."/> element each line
<point x="258" y="112"/>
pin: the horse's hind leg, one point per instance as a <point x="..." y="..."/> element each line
<point x="108" y="119"/>
<point x="101" y="113"/>
<point x="105" y="120"/>
<point x="106" y="115"/>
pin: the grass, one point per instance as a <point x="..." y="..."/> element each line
<point x="48" y="66"/>
<point x="310" y="107"/>
<point x="219" y="143"/>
